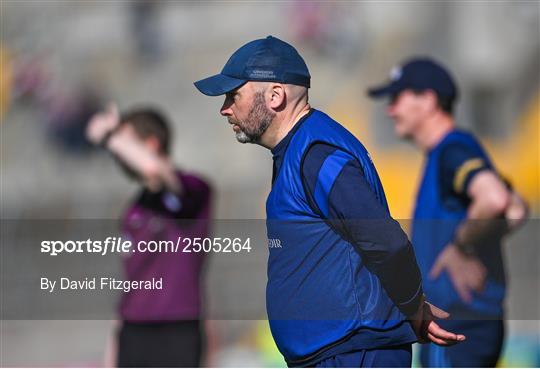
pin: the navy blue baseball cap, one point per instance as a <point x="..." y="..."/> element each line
<point x="268" y="59"/>
<point x="418" y="74"/>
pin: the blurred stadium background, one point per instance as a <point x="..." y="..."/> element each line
<point x="62" y="60"/>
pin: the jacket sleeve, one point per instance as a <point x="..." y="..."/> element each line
<point x="337" y="189"/>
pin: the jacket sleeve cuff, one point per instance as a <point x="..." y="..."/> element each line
<point x="410" y="307"/>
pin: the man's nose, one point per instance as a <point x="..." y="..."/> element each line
<point x="391" y="110"/>
<point x="226" y="110"/>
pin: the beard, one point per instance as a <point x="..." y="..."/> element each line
<point x="257" y="122"/>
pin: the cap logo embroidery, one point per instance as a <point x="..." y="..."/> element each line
<point x="396" y="73"/>
<point x="262" y="74"/>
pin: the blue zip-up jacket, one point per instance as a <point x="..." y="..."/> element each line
<point x="326" y="296"/>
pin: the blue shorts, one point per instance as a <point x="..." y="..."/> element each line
<point x="391" y="357"/>
<point x="482" y="347"/>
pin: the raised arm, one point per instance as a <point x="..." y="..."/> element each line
<point x="153" y="170"/>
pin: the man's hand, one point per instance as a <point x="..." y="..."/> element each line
<point x="517" y="211"/>
<point x="102" y="123"/>
<point x="427" y="331"/>
<point x="467" y="273"/>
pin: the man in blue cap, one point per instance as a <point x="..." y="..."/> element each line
<point x="463" y="209"/>
<point x="344" y="288"/>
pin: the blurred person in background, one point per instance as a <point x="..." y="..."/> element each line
<point x="67" y="112"/>
<point x="65" y="107"/>
<point x="310" y="23"/>
<point x="464" y="208"/>
<point x="160" y="328"/>
<point x="342" y="276"/>
<point x="145" y="26"/>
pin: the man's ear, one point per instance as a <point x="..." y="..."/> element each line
<point x="431" y="99"/>
<point x="278" y="96"/>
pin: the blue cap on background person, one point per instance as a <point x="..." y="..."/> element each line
<point x="268" y="59"/>
<point x="418" y="74"/>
